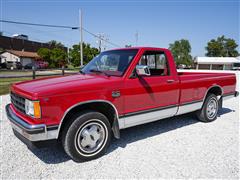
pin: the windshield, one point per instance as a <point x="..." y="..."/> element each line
<point x="113" y="62"/>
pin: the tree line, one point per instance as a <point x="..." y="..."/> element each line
<point x="219" y="47"/>
<point x="181" y="50"/>
<point x="58" y="57"/>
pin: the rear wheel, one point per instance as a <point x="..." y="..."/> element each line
<point x="87" y="136"/>
<point x="209" y="109"/>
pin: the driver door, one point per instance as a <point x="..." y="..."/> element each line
<point x="150" y="97"/>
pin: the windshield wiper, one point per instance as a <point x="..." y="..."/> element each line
<point x="98" y="71"/>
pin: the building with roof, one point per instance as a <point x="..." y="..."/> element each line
<point x="23" y="44"/>
<point x="216" y="63"/>
<point x="24" y="57"/>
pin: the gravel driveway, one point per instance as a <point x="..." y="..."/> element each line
<point x="179" y="147"/>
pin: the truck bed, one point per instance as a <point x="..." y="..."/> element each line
<point x="204" y="81"/>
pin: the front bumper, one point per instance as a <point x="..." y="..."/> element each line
<point x="38" y="132"/>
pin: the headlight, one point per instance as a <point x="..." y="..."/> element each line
<point x="32" y="108"/>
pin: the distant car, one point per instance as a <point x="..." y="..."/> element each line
<point x="3" y="65"/>
<point x="11" y="65"/>
<point x="31" y="65"/>
<point x="18" y="65"/>
<point x="42" y="64"/>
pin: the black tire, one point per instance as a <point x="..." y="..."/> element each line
<point x="204" y="114"/>
<point x="80" y="124"/>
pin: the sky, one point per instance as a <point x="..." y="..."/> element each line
<point x="158" y="22"/>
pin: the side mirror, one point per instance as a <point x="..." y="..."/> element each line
<point x="142" y="70"/>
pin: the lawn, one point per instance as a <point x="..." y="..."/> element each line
<point x="5" y="84"/>
<point x="9" y="72"/>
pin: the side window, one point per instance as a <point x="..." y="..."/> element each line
<point x="156" y="62"/>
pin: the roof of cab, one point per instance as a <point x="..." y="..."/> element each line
<point x="142" y="47"/>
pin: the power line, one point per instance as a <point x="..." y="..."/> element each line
<point x="99" y="37"/>
<point x="36" y="24"/>
<point x="60" y="26"/>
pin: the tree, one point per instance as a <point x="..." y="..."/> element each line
<point x="56" y="44"/>
<point x="181" y="52"/>
<point x="55" y="57"/>
<point x="44" y="53"/>
<point x="58" y="57"/>
<point x="222" y="47"/>
<point x="88" y="53"/>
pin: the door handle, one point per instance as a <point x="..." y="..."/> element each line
<point x="116" y="94"/>
<point x="170" y="81"/>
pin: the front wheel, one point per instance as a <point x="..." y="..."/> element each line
<point x="87" y="137"/>
<point x="209" y="110"/>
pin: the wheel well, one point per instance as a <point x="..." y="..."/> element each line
<point x="215" y="90"/>
<point x="102" y="107"/>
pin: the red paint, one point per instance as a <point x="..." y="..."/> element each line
<point x="58" y="94"/>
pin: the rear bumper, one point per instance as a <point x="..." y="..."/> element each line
<point x="38" y="132"/>
<point x="231" y="95"/>
<point x="236" y="93"/>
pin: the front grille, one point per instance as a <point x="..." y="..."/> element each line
<point x="18" y="102"/>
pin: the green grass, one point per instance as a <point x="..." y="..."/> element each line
<point x="5" y="84"/>
<point x="29" y="72"/>
<point x="8" y="72"/>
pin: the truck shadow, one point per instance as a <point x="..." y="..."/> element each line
<point x="54" y="153"/>
<point x="144" y="131"/>
<point x="224" y="111"/>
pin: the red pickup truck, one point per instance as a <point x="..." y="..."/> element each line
<point x="118" y="89"/>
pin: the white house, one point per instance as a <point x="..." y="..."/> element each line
<point x="24" y="57"/>
<point x="216" y="63"/>
<point x="2" y="58"/>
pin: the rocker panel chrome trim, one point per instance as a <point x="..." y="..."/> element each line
<point x="190" y="107"/>
<point x="147" y="117"/>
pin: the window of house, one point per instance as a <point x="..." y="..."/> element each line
<point x="156" y="62"/>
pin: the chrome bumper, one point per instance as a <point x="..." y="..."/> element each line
<point x="231" y="95"/>
<point x="236" y="94"/>
<point x="39" y="132"/>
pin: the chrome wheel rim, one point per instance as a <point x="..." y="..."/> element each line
<point x="90" y="137"/>
<point x="212" y="108"/>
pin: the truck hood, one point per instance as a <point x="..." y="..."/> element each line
<point x="60" y="85"/>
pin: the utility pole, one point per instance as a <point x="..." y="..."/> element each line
<point x="81" y="37"/>
<point x="100" y="42"/>
<point x="68" y="55"/>
<point x="101" y="37"/>
<point x="136" y="36"/>
<point x="104" y="44"/>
